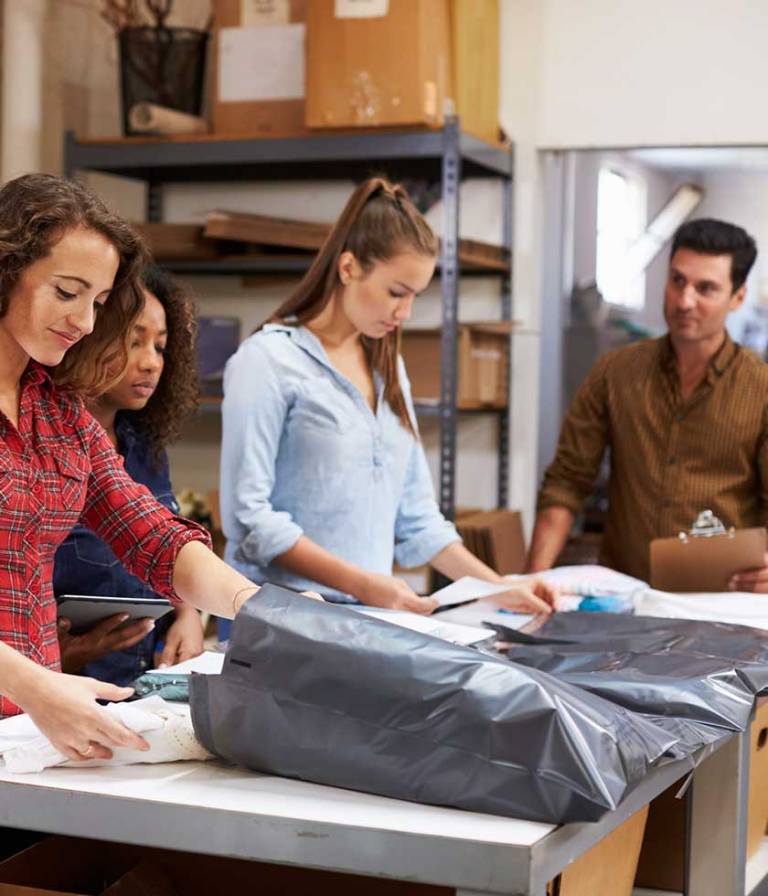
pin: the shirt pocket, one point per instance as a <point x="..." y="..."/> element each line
<point x="65" y="486"/>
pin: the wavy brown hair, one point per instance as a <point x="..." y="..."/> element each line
<point x="175" y="399"/>
<point x="36" y="210"/>
<point x="378" y="222"/>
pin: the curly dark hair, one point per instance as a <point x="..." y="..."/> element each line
<point x="175" y="398"/>
<point x="36" y="210"/>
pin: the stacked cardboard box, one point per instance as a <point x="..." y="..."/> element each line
<point x="495" y="537"/>
<point x="281" y="67"/>
<point x="483" y="364"/>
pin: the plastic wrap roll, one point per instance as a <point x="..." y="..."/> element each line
<point x="151" y="119"/>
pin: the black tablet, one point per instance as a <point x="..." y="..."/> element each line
<point x="84" y="611"/>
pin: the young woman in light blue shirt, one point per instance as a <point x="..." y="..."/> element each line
<point x="324" y="482"/>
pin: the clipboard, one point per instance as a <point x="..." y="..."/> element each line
<point x="705" y="558"/>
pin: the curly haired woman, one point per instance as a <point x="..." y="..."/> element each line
<point x="142" y="413"/>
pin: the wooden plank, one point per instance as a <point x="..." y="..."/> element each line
<point x="177" y="241"/>
<point x="266" y="230"/>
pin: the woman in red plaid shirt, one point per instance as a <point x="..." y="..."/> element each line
<point x="70" y="269"/>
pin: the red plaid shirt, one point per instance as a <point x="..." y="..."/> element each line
<point x="57" y="468"/>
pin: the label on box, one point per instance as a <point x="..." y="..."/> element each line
<point x="261" y="63"/>
<point x="264" y="12"/>
<point x="361" y="9"/>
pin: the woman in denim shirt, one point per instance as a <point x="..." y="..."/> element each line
<point x="141" y="413"/>
<point x="324" y="482"/>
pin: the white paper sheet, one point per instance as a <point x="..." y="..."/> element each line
<point x="208" y="663"/>
<point x="261" y="63"/>
<point x="264" y="12"/>
<point x="431" y="625"/>
<point x="360" y="9"/>
<point x="468" y="588"/>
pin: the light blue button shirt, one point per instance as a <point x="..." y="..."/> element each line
<point x="303" y="453"/>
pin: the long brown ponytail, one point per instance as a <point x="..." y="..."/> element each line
<point x="378" y="222"/>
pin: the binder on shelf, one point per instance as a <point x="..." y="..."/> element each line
<point x="217" y="339"/>
<point x="706" y="558"/>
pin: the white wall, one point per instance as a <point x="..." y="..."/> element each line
<point x="615" y="74"/>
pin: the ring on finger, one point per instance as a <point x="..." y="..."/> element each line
<point x="88" y="751"/>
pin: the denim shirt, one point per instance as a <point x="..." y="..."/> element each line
<point x="85" y="564"/>
<point x="303" y="453"/>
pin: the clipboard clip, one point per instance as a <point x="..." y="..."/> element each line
<point x="706" y="525"/>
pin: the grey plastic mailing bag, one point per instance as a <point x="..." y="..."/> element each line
<point x="705" y="673"/>
<point x="325" y="694"/>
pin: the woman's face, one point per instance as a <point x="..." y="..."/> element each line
<point x="379" y="301"/>
<point x="57" y="298"/>
<point x="146" y="358"/>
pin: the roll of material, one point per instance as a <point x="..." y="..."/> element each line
<point x="147" y="118"/>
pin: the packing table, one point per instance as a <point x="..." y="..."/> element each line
<point x="212" y="808"/>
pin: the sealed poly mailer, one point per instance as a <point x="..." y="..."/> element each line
<point x="707" y="557"/>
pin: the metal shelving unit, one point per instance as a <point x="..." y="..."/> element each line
<point x="443" y="155"/>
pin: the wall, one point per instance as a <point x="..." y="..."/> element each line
<point x="598" y="73"/>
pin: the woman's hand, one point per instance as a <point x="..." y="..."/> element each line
<point x="394" y="594"/>
<point x="64" y="708"/>
<point x="105" y="637"/>
<point x="184" y="639"/>
<point x="527" y="596"/>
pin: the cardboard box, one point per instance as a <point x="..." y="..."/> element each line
<point x="663" y="854"/>
<point x="475" y="66"/>
<point x="70" y="866"/>
<point x="377" y="63"/>
<point x="483" y="359"/>
<point x="495" y="537"/>
<point x="63" y="866"/>
<point x="609" y="867"/>
<point x="257" y="68"/>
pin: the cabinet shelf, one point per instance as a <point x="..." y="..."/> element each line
<point x="442" y="156"/>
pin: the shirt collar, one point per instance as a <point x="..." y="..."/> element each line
<point x="718" y="364"/>
<point x="35" y="374"/>
<point x="306" y="339"/>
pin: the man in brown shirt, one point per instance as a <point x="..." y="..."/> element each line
<point x="685" y="418"/>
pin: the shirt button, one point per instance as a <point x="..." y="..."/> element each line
<point x="37" y="488"/>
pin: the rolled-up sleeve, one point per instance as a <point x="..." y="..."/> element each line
<point x="421" y="531"/>
<point x="583" y="439"/>
<point x="143" y="533"/>
<point x="253" y="417"/>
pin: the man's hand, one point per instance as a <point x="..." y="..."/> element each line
<point x="184" y="639"/>
<point x="752" y="580"/>
<point x="105" y="637"/>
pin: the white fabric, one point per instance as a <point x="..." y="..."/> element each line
<point x="167" y="728"/>
<point x="737" y="608"/>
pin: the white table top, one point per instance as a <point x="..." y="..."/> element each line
<point x="214" y="785"/>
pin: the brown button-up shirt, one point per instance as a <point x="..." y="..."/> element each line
<point x="669" y="458"/>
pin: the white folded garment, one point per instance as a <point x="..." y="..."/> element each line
<point x="167" y="728"/>
<point x="734" y="607"/>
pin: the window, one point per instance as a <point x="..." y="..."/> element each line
<point x="621" y="218"/>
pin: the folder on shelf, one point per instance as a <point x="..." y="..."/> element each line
<point x="706" y="558"/>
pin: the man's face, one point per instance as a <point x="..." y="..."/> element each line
<point x="699" y="295"/>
